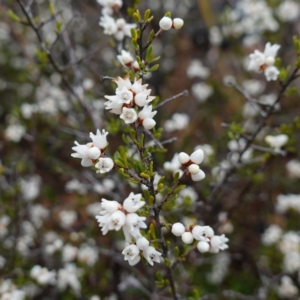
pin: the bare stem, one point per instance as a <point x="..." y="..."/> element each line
<point x="185" y="93"/>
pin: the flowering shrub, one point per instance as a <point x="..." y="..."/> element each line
<point x="187" y="131"/>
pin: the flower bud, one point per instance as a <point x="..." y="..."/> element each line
<point x="187" y="237"/>
<point x="203" y="246"/>
<point x="177" y="23"/>
<point x="183" y="158"/>
<point x="199" y="176"/>
<point x="178" y="229"/>
<point x="197" y="156"/>
<point x="148" y="123"/>
<point x="165" y="23"/>
<point x="193" y="169"/>
<point x="94" y="153"/>
<point x="109" y="206"/>
<point x="142" y="243"/>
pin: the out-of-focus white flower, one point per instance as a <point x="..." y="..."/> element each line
<point x="174" y="165"/>
<point x="68" y="276"/>
<point x="27" y="110"/>
<point x="291" y="261"/>
<point x="215" y="36"/>
<point x="67" y="218"/>
<point x="105" y="164"/>
<point x="178" y="122"/>
<point x="165" y="23"/>
<point x="30" y="188"/>
<point x="87" y="255"/>
<point x="277" y="141"/>
<point x="253" y="87"/>
<point x="202" y="91"/>
<point x="14" y="132"/>
<point x="152" y="255"/>
<point x="293" y="168"/>
<point x="219" y="268"/>
<point x="285" y="202"/>
<point x="4" y="222"/>
<point x="287" y="288"/>
<point x="288" y="11"/>
<point x="75" y="185"/>
<point x="271" y="235"/>
<point x="38" y="214"/>
<point x="133" y="224"/>
<point x="2" y="261"/>
<point x="289" y="243"/>
<point x="196" y="69"/>
<point x="265" y="61"/>
<point x="69" y="253"/>
<point x="42" y="275"/>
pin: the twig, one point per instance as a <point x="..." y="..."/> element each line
<point x="153" y="138"/>
<point x="185" y="93"/>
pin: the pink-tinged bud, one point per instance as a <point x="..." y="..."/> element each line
<point x="94" y="153"/>
<point x="199" y="176"/>
<point x="177" y="23"/>
<point x="178" y="229"/>
<point x="197" y="156"/>
<point x="187" y="237"/>
<point x="165" y="23"/>
<point x="203" y="246"/>
<point x="183" y="158"/>
<point x="193" y="169"/>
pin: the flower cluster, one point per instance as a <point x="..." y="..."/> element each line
<point x="207" y="240"/>
<point x="114" y="216"/>
<point x="129" y="96"/>
<point x="93" y="153"/>
<point x="264" y="61"/>
<point x="191" y="163"/>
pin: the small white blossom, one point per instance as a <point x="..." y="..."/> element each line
<point x="202" y="91"/>
<point x="99" y="140"/>
<point x="177" y="23"/>
<point x="129" y="115"/>
<point x="133" y="203"/>
<point x="183" y="158"/>
<point x="125" y="58"/>
<point x="105" y="164"/>
<point x="196" y="69"/>
<point x="277" y="141"/>
<point x="293" y="168"/>
<point x="203" y="246"/>
<point x="132" y="254"/>
<point x="218" y="242"/>
<point x="14" y="132"/>
<point x="187" y="237"/>
<point x="152" y="255"/>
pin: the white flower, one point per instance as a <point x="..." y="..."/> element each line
<point x="265" y="61"/>
<point x="133" y="203"/>
<point x="68" y="276"/>
<point x="287" y="288"/>
<point x="146" y="115"/>
<point x="271" y="235"/>
<point x="201" y="91"/>
<point x="108" y="207"/>
<point x="75" y="185"/>
<point x="109" y="25"/>
<point x="142" y="243"/>
<point x="187" y="237"/>
<point x="42" y="275"/>
<point x="87" y="255"/>
<point x="142" y="98"/>
<point x="30" y="188"/>
<point x="67" y="218"/>
<point x="152" y="255"/>
<point x="14" y="132"/>
<point x="196" y="69"/>
<point x="178" y="229"/>
<point x="174" y="165"/>
<point x="288" y="11"/>
<point x="133" y="224"/>
<point x="129" y="115"/>
<point x="82" y="151"/>
<point x="125" y="58"/>
<point x="293" y="168"/>
<point x="277" y="141"/>
<point x="69" y="253"/>
<point x="165" y="23"/>
<point x="193" y="169"/>
<point x="177" y="23"/>
<point x="178" y="122"/>
<point x="218" y="242"/>
<point x="202" y="233"/>
<point x="132" y="254"/>
<point x="105" y="164"/>
<point x="99" y="140"/>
